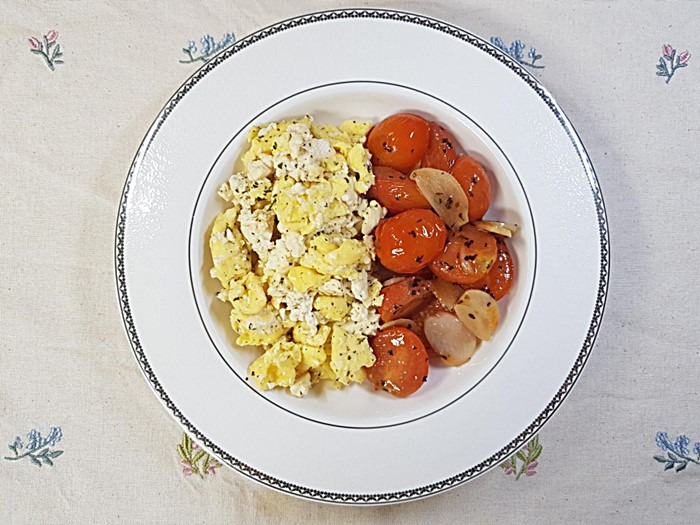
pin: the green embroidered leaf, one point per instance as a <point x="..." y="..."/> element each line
<point x="672" y="456"/>
<point x="188" y="440"/>
<point x="521" y="456"/>
<point x="58" y="61"/>
<point x="182" y="453"/>
<point x="535" y="454"/>
<point x="681" y="466"/>
<point x="668" y="466"/>
<point x="37" y="51"/>
<point x="55" y="453"/>
<point x="660" y="459"/>
<point x="47" y="461"/>
<point x="35" y="461"/>
<point x="198" y="456"/>
<point x="205" y="466"/>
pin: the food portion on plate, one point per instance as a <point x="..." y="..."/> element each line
<point x="332" y="231"/>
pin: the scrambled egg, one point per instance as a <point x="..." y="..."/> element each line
<point x="293" y="253"/>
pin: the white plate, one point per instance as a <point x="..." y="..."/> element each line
<point x="355" y="445"/>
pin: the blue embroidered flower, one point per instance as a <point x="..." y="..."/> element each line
<point x="663" y="442"/>
<point x="38" y="449"/>
<point x="681" y="445"/>
<point x="677" y="453"/>
<point x="209" y="47"/>
<point x="516" y="50"/>
<point x="55" y="435"/>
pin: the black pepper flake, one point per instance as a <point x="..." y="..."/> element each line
<point x="425" y="378"/>
<point x="488" y="304"/>
<point x="470" y="257"/>
<point x="413" y="150"/>
<point x="468" y="243"/>
<point x="419" y="258"/>
<point x="475" y="179"/>
<point x="419" y="220"/>
<point x="449" y="202"/>
<point x="391" y="352"/>
<point x="397" y="197"/>
<point x="413" y="234"/>
<point x="471" y="193"/>
<point x="414" y="292"/>
<point x="471" y="316"/>
<point x="386" y="147"/>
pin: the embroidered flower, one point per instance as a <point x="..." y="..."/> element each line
<point x="667" y="66"/>
<point x="37" y="449"/>
<point x="678" y="455"/>
<point x="49" y="49"/>
<point x="209" y="47"/>
<point x="195" y="460"/>
<point x="516" y="50"/>
<point x="524" y="461"/>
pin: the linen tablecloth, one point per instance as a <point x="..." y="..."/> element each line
<point x="85" y="440"/>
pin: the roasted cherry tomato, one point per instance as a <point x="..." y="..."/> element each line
<point x="399" y="141"/>
<point x="407" y="242"/>
<point x="442" y="149"/>
<point x="404" y="297"/>
<point x="468" y="256"/>
<point x="401" y="367"/>
<point x="472" y="176"/>
<point x="500" y="277"/>
<point x="395" y="191"/>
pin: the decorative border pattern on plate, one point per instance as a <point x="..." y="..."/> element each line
<point x="518" y="441"/>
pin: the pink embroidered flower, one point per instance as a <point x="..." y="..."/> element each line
<point x="51" y="36"/>
<point x="213" y="466"/>
<point x="531" y="469"/>
<point x="186" y="468"/>
<point x="667" y="50"/>
<point x="684" y="57"/>
<point x="34" y="44"/>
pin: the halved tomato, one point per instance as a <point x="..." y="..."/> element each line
<point x="401" y="365"/>
<point x="442" y="149"/>
<point x="395" y="191"/>
<point x="403" y="298"/>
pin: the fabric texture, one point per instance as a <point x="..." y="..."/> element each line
<point x="67" y="138"/>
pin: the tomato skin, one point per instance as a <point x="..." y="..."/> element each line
<point x="399" y="141"/>
<point x="409" y="241"/>
<point x="404" y="297"/>
<point x="442" y="149"/>
<point x="401" y="365"/>
<point x="473" y="178"/>
<point x="395" y="191"/>
<point x="468" y="256"/>
<point x="500" y="277"/>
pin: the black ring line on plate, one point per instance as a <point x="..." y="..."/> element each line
<point x="192" y="279"/>
<point x="517" y="442"/>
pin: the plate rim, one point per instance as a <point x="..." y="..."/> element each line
<point x="593" y="327"/>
